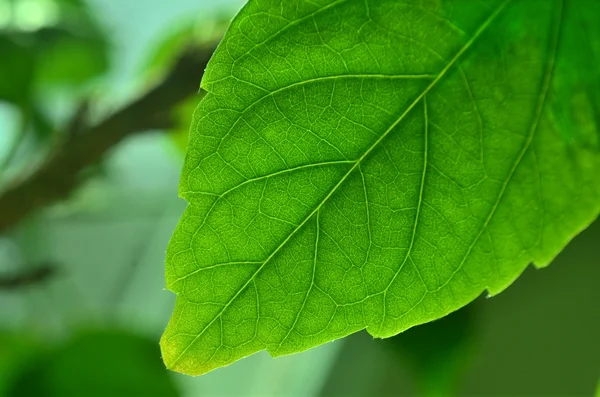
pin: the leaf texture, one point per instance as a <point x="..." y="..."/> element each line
<point x="378" y="164"/>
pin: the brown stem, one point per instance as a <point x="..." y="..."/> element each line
<point x="60" y="173"/>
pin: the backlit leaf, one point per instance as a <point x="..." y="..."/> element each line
<point x="378" y="164"/>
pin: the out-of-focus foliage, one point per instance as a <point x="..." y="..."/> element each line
<point x="181" y="114"/>
<point x="17" y="62"/>
<point x="63" y="46"/>
<point x="191" y="35"/>
<point x="47" y="46"/>
<point x="95" y="363"/>
<point x="438" y="353"/>
<point x="16" y="353"/>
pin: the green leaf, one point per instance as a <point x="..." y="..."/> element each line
<point x="97" y="363"/>
<point x="377" y="165"/>
<point x="70" y="60"/>
<point x="19" y="64"/>
<point x="18" y="351"/>
<point x="438" y="353"/>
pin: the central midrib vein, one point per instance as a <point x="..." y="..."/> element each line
<point x="467" y="45"/>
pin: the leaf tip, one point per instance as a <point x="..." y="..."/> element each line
<point x="174" y="360"/>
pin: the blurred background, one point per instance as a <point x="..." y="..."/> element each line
<point x="96" y="98"/>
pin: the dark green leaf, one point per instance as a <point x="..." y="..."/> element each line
<point x="438" y="352"/>
<point x="17" y="352"/>
<point x="99" y="363"/>
<point x="17" y="69"/>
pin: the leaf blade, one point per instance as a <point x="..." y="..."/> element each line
<point x="289" y="209"/>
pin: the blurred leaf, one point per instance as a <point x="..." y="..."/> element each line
<point x="42" y="126"/>
<point x="438" y="352"/>
<point x="70" y="59"/>
<point x="182" y="118"/>
<point x="17" y="69"/>
<point x="16" y="352"/>
<point x="186" y="35"/>
<point x="98" y="363"/>
<point x="64" y="53"/>
<point x="70" y="52"/>
<point x="169" y="49"/>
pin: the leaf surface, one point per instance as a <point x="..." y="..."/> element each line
<point x="362" y="164"/>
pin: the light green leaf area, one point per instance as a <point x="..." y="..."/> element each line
<point x="378" y="164"/>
